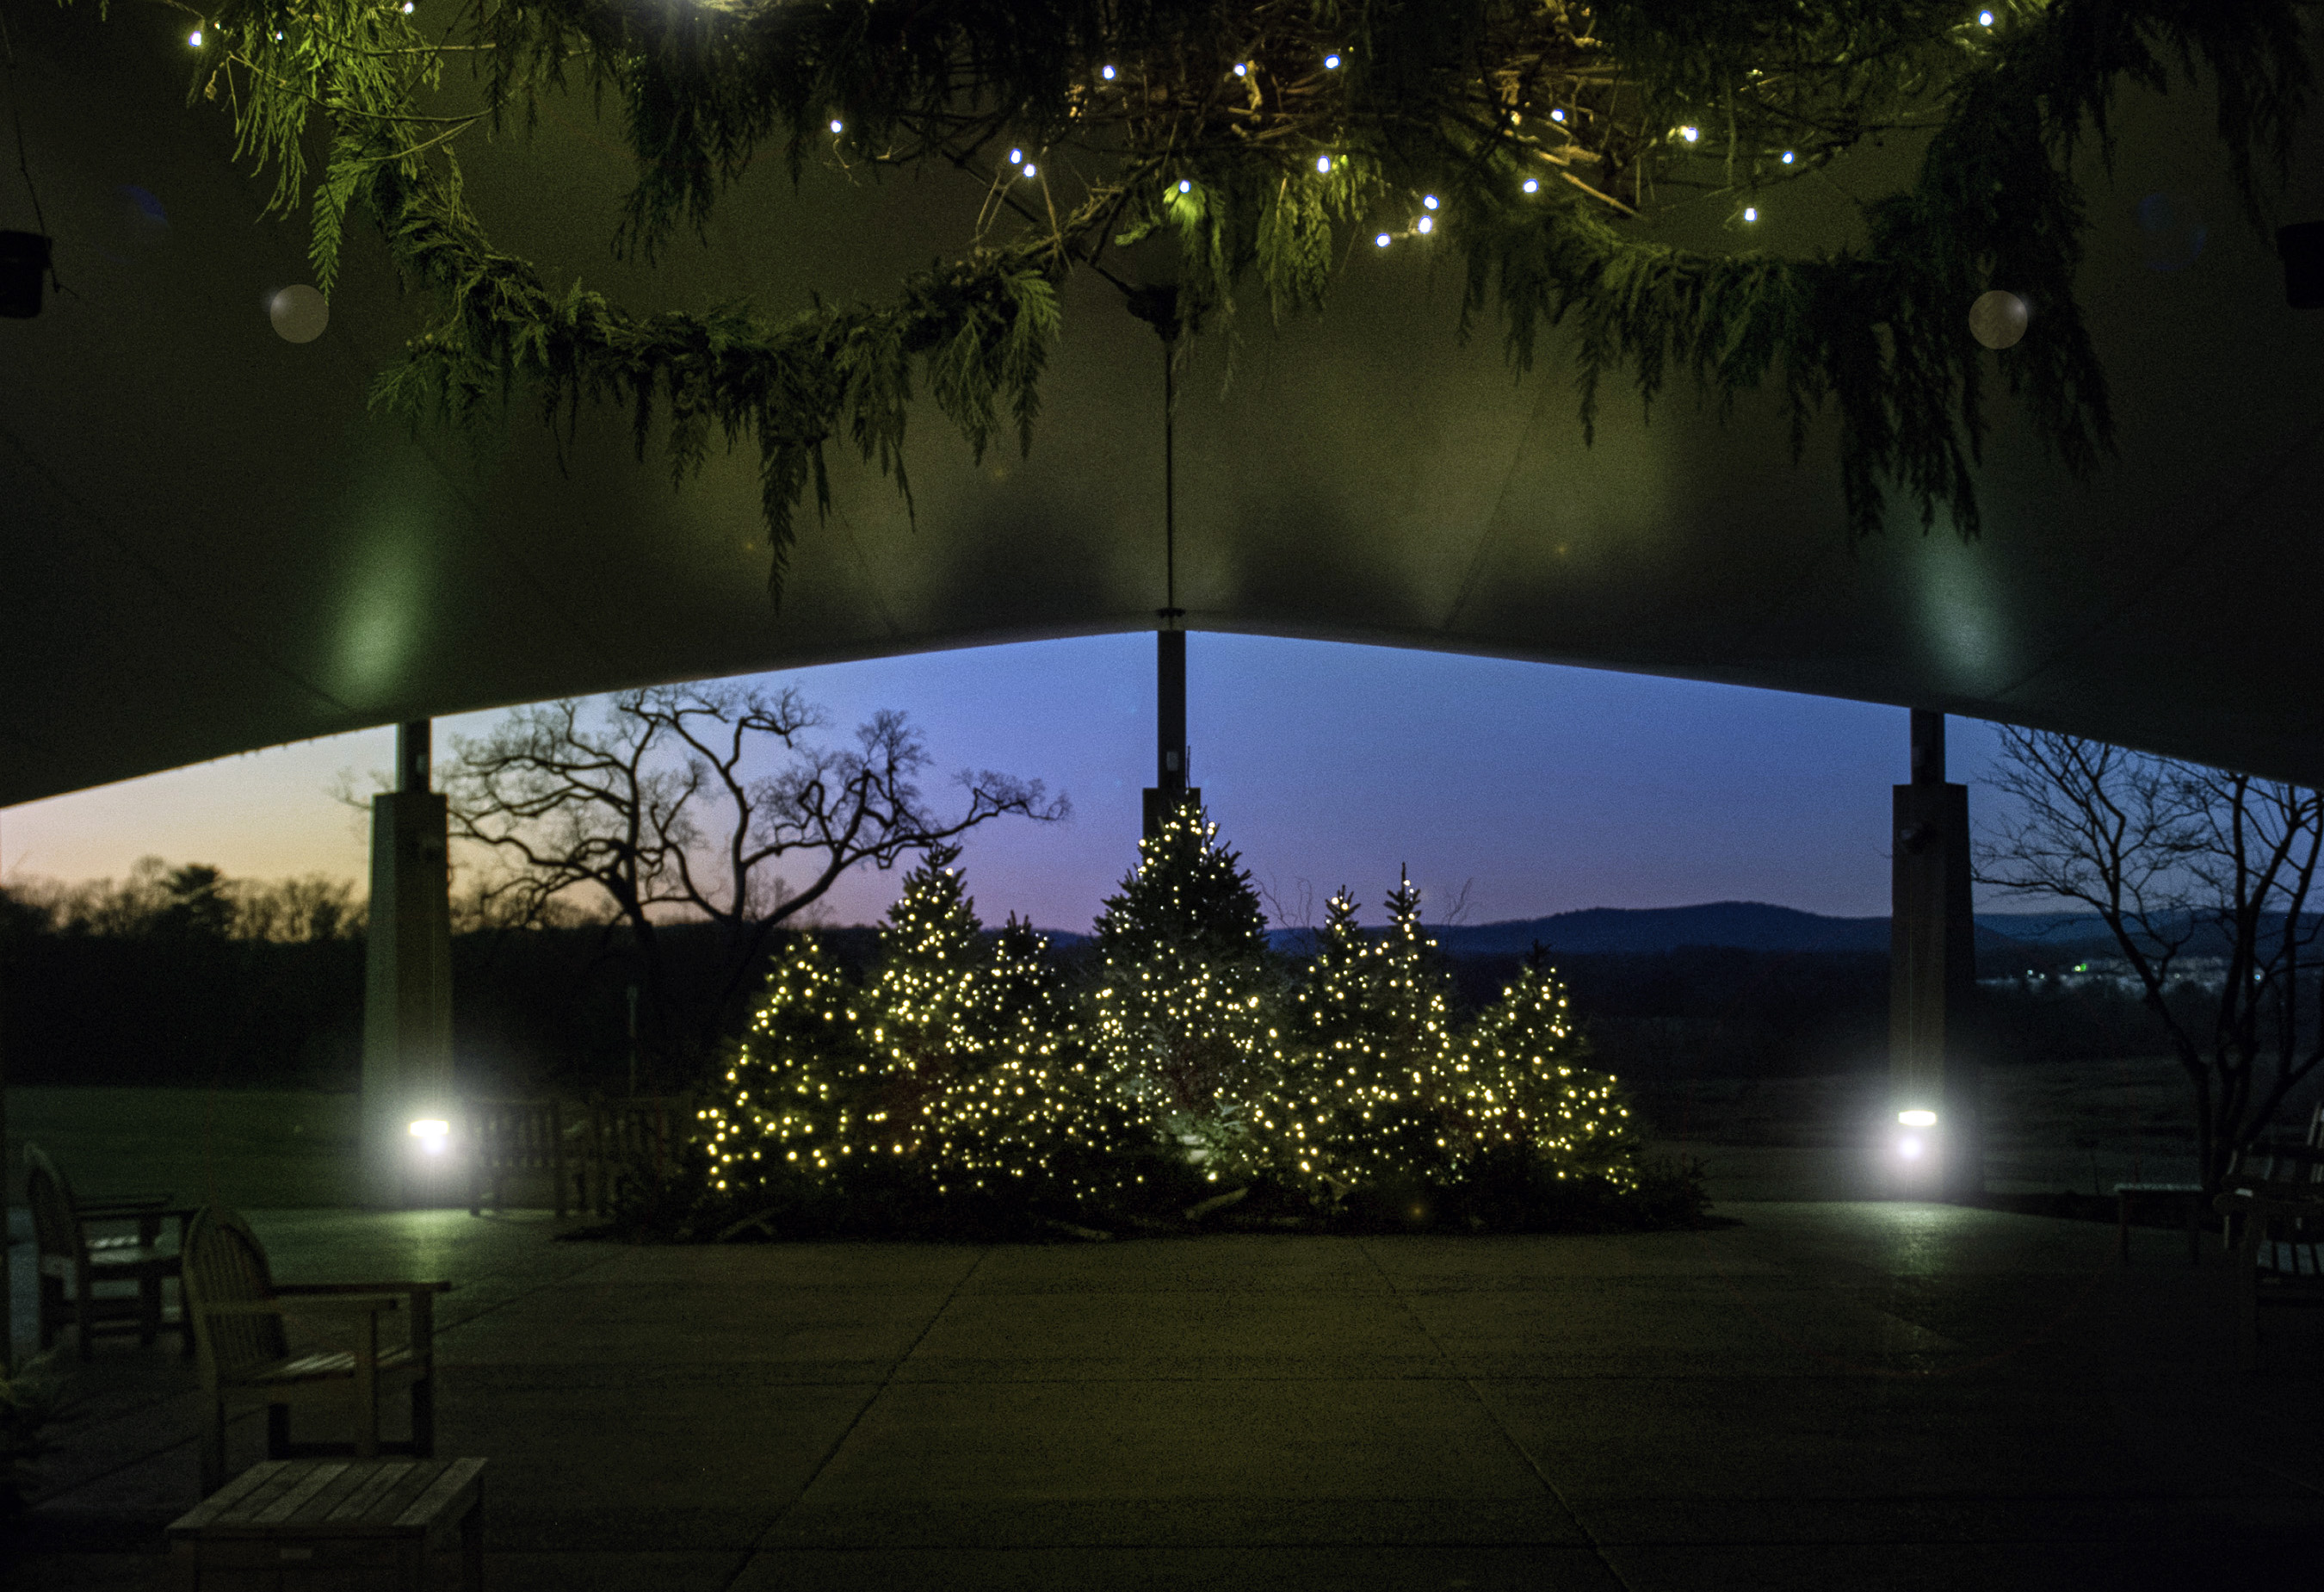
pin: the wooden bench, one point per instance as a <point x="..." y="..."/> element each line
<point x="587" y="1152"/>
<point x="78" y="1257"/>
<point x="2275" y="1204"/>
<point x="239" y="1314"/>
<point x="293" y="1525"/>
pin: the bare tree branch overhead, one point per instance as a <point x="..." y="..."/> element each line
<point x="712" y="804"/>
<point x="2183" y="863"/>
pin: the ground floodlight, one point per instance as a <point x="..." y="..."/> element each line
<point x="433" y="1134"/>
<point x="1919" y="1119"/>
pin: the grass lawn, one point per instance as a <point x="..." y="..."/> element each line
<point x="258" y="1149"/>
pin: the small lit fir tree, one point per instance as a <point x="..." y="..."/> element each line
<point x="1374" y="1026"/>
<point x="797" y="1092"/>
<point x="1183" y="1012"/>
<point x="1517" y="1087"/>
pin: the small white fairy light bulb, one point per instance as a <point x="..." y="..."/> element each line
<point x="1750" y="213"/>
<point x="1383" y="240"/>
<point x="1331" y="63"/>
<point x="1030" y="169"/>
<point x="1557" y="116"/>
<point x="1323" y="165"/>
<point x="1427" y="224"/>
<point x="1787" y="157"/>
<point x="195" y="38"/>
<point x="1532" y="185"/>
<point x="1106" y="72"/>
<point x="1241" y="71"/>
<point x="1688" y="134"/>
<point x="1016" y="157"/>
<point x="1985" y="19"/>
<point x="1184" y="185"/>
<point x="837" y="126"/>
<point x="1428" y="200"/>
<point x="408" y="7"/>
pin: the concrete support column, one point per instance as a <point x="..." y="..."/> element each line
<point x="407" y="1061"/>
<point x="1933" y="982"/>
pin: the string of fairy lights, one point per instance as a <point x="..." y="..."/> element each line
<point x="967" y="1056"/>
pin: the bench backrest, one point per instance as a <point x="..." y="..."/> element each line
<point x="225" y="1263"/>
<point x="55" y="1232"/>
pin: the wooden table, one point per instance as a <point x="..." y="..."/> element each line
<point x="349" y="1525"/>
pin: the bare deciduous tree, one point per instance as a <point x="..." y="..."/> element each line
<point x="707" y="803"/>
<point x="2179" y="860"/>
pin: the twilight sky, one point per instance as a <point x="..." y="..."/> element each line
<point x="1550" y="787"/>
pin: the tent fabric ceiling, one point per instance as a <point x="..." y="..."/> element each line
<point x="211" y="545"/>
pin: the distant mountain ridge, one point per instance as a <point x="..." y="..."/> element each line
<point x="1746" y="925"/>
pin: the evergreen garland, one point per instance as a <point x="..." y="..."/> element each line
<point x="1268" y="138"/>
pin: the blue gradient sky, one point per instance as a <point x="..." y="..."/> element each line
<point x="1550" y="789"/>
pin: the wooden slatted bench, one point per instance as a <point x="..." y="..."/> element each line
<point x="345" y="1525"/>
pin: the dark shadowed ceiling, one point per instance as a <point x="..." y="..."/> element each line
<point x="210" y="546"/>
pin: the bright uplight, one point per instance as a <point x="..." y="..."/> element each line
<point x="1919" y="1119"/>
<point x="1909" y="1147"/>
<point x="433" y="1134"/>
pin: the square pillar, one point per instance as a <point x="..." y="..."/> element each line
<point x="1933" y="986"/>
<point x="407" y="1054"/>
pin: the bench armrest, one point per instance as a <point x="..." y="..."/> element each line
<point x="353" y="1304"/>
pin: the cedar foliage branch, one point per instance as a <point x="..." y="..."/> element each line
<point x="1542" y="130"/>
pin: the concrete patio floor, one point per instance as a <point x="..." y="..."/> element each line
<point x="1836" y="1395"/>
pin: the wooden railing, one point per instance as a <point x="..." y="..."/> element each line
<point x="581" y="1154"/>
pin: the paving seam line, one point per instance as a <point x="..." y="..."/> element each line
<point x="1493" y="1415"/>
<point x="857" y="1420"/>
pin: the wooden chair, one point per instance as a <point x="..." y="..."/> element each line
<point x="78" y="1258"/>
<point x="239" y="1313"/>
<point x="2275" y="1200"/>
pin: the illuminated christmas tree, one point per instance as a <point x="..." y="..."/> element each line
<point x="1373" y="1025"/>
<point x="1517" y="1085"/>
<point x="798" y="1089"/>
<point x="1183" y="1014"/>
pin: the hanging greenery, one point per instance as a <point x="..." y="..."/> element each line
<point x="1270" y="138"/>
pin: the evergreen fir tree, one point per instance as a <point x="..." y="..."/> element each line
<point x="795" y="1096"/>
<point x="1374" y="1026"/>
<point x="933" y="1002"/>
<point x="1518" y="1083"/>
<point x="1183" y="1012"/>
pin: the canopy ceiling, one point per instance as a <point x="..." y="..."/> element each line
<point x="210" y="545"/>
